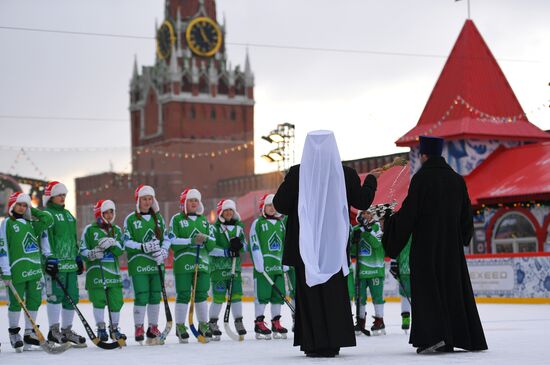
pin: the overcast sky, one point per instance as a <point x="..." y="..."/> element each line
<point x="369" y="100"/>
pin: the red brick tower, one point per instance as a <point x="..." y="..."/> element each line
<point x="192" y="113"/>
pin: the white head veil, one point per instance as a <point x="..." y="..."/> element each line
<point x="322" y="209"/>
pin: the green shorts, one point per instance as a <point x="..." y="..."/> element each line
<point x="376" y="287"/>
<point x="264" y="291"/>
<point x="147" y="289"/>
<point x="220" y="288"/>
<point x="30" y="292"/>
<point x="55" y="294"/>
<point x="184" y="284"/>
<point x="99" y="299"/>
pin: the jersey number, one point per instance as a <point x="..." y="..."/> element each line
<point x="137" y="224"/>
<point x="16" y="228"/>
<point x="59" y="217"/>
<point x="96" y="236"/>
<point x="184" y="223"/>
<point x="264" y="227"/>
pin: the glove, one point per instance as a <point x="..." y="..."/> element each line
<point x="229" y="253"/>
<point x="394" y="268"/>
<point x="356" y="236"/>
<point x="106" y="242"/>
<point x="235" y="246"/>
<point x="387" y="214"/>
<point x="95" y="254"/>
<point x="150" y="246"/>
<point x="160" y="256"/>
<point x="285" y="268"/>
<point x="199" y="239"/>
<point x="80" y="265"/>
<point x="52" y="266"/>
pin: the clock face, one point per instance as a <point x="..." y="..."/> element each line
<point x="204" y="36"/>
<point x="166" y="38"/>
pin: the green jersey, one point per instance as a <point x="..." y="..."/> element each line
<point x="20" y="248"/>
<point x="182" y="230"/>
<point x="403" y="259"/>
<point x="91" y="236"/>
<point x="137" y="230"/>
<point x="220" y="264"/>
<point x="62" y="237"/>
<point x="371" y="252"/>
<point x="266" y="246"/>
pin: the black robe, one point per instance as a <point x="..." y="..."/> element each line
<point x="323" y="312"/>
<point x="438" y="214"/>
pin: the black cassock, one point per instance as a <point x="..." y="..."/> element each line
<point x="323" y="319"/>
<point x="438" y="214"/>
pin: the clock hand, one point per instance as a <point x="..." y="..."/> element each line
<point x="203" y="35"/>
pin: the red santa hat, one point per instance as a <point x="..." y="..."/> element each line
<point x="227" y="204"/>
<point x="144" y="190"/>
<point x="54" y="188"/>
<point x="191" y="194"/>
<point x="267" y="199"/>
<point x="101" y="207"/>
<point x="19" y="197"/>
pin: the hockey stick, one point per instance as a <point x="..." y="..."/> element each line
<point x="230" y="333"/>
<point x="364" y="331"/>
<point x="396" y="277"/>
<point x="49" y="347"/>
<point x="192" y="327"/>
<point x="279" y="292"/>
<point x="121" y="341"/>
<point x="89" y="331"/>
<point x="167" y="311"/>
<point x="288" y="282"/>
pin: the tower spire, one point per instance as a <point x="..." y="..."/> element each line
<point x="173" y="67"/>
<point x="134" y="71"/>
<point x="248" y="75"/>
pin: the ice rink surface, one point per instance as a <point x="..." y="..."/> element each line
<point x="516" y="334"/>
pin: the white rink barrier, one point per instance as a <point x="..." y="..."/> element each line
<point x="492" y="276"/>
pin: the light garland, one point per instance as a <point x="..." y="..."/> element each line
<point x="192" y="155"/>
<point x="460" y="101"/>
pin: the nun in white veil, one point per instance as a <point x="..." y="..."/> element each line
<point x="316" y="196"/>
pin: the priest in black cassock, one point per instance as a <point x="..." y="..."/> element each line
<point x="316" y="196"/>
<point x="438" y="215"/>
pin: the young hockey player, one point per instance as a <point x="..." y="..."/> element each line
<point x="267" y="235"/>
<point x="147" y="248"/>
<point x="20" y="263"/>
<point x="230" y="242"/>
<point x="401" y="271"/>
<point x="371" y="266"/>
<point x="188" y="230"/>
<point x="101" y="245"/>
<point x="64" y="263"/>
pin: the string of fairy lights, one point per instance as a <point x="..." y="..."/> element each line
<point x="191" y="155"/>
<point x="459" y="101"/>
<point x="489" y="208"/>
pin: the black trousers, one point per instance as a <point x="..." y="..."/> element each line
<point x="323" y="314"/>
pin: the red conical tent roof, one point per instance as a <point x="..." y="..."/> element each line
<point x="472" y="98"/>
